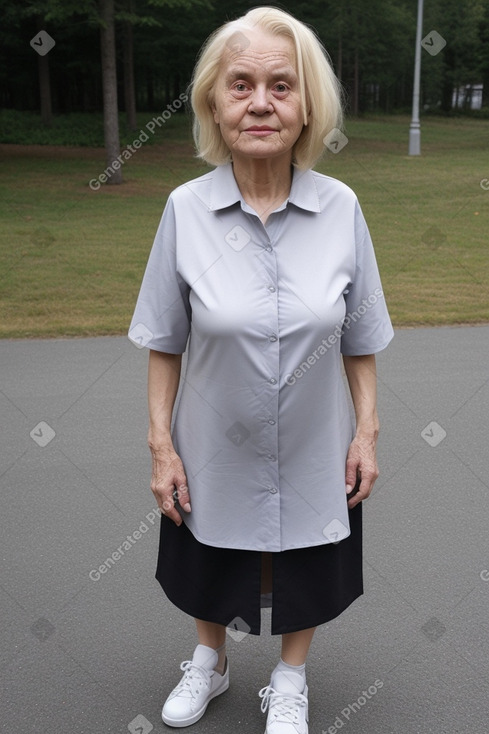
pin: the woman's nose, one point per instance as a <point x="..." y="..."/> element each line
<point x="260" y="101"/>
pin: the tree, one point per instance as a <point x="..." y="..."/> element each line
<point x="45" y="91"/>
<point x="371" y="45"/>
<point x="484" y="55"/>
<point x="109" y="84"/>
<point x="104" y="16"/>
<point x="129" y="83"/>
<point x="459" y="24"/>
<point x="32" y="15"/>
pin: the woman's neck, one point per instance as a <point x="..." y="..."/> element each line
<point x="264" y="184"/>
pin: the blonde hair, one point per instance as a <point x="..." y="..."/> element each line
<point x="319" y="88"/>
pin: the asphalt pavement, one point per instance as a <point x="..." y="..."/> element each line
<point x="92" y="645"/>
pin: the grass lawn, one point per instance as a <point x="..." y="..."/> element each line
<point x="72" y="259"/>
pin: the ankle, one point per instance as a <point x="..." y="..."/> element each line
<point x="283" y="665"/>
<point x="221" y="664"/>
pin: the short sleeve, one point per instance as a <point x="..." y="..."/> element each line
<point x="161" y="319"/>
<point x="367" y="328"/>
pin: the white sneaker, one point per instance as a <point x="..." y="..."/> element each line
<point x="287" y="706"/>
<point x="200" y="683"/>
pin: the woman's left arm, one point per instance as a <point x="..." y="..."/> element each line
<point x="362" y="460"/>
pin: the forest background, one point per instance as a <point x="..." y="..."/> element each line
<point x="371" y="44"/>
<point x="73" y="250"/>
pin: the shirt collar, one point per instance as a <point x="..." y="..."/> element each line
<point x="225" y="192"/>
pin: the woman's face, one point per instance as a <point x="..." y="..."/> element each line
<point x="256" y="96"/>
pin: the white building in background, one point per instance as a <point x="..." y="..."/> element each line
<point x="468" y="97"/>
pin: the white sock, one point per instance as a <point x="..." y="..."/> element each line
<point x="208" y="657"/>
<point x="205" y="656"/>
<point x="289" y="677"/>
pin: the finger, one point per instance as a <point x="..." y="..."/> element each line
<point x="354" y="501"/>
<point x="182" y="495"/>
<point x="167" y="507"/>
<point x="169" y="485"/>
<point x="352" y="471"/>
<point x="364" y="490"/>
<point x="166" y="501"/>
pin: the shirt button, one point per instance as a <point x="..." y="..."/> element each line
<point x="271" y="288"/>
<point x="268" y="248"/>
<point x="271" y="421"/>
<point x="272" y="490"/>
<point x="273" y="381"/>
<point x="272" y="338"/>
<point x="272" y="457"/>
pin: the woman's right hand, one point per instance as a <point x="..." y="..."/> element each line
<point x="167" y="477"/>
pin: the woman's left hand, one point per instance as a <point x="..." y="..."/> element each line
<point x="361" y="463"/>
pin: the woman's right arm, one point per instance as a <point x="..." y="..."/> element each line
<point x="167" y="468"/>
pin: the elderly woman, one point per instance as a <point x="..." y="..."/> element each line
<point x="267" y="270"/>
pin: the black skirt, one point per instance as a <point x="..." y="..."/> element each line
<point x="310" y="586"/>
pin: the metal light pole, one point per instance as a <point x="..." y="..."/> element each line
<point x="415" y="128"/>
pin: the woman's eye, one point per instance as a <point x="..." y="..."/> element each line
<point x="281" y="88"/>
<point x="240" y="87"/>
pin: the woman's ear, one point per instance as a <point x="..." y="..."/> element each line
<point x="215" y="113"/>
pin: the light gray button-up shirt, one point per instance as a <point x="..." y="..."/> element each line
<point x="263" y="424"/>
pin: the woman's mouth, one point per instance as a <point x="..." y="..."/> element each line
<point x="260" y="130"/>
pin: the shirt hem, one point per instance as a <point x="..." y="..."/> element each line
<point x="369" y="350"/>
<point x="261" y="549"/>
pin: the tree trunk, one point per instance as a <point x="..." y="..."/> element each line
<point x="45" y="91"/>
<point x="129" y="86"/>
<point x="109" y="86"/>
<point x="485" y="89"/>
<point x="150" y="91"/>
<point x="339" y="61"/>
<point x="167" y="88"/>
<point x="356" y="85"/>
<point x="448" y="79"/>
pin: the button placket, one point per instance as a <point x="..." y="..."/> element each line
<point x="271" y="484"/>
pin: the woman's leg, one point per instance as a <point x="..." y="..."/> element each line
<point x="266" y="573"/>
<point x="295" y="646"/>
<point x="213" y="635"/>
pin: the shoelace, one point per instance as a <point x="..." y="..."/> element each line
<point x="284" y="707"/>
<point x="192" y="682"/>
